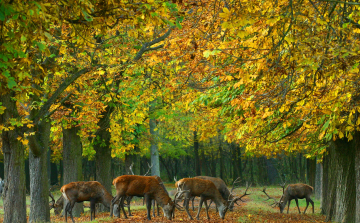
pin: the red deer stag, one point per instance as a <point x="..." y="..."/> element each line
<point x="81" y="191"/>
<point x="206" y="190"/>
<point x="293" y="191"/>
<point x="222" y="188"/>
<point x="142" y="186"/>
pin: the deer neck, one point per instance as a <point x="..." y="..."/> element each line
<point x="218" y="200"/>
<point x="161" y="197"/>
<point x="107" y="199"/>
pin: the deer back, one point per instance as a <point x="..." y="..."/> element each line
<point x="219" y="184"/>
<point x="198" y="187"/>
<point x="86" y="190"/>
<point x="298" y="190"/>
<point x="134" y="185"/>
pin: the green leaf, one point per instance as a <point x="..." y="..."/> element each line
<point x="87" y="16"/>
<point x="41" y="46"/>
<point x="23" y="38"/>
<point x="11" y="82"/>
<point x="2" y="16"/>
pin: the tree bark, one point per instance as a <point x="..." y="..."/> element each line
<point x="72" y="161"/>
<point x="14" y="194"/>
<point x="196" y="154"/>
<point x="39" y="184"/>
<point x="154" y="150"/>
<point x="311" y="163"/>
<point x="103" y="153"/>
<point x="318" y="182"/>
<point x="357" y="175"/>
<point x="341" y="204"/>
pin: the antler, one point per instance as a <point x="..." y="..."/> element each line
<point x="283" y="186"/>
<point x="148" y="169"/>
<point x="52" y="197"/>
<point x="130" y="168"/>
<point x="234" y="183"/>
<point x="275" y="202"/>
<point x="239" y="198"/>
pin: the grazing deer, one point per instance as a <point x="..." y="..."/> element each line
<point x="58" y="205"/>
<point x="222" y="188"/>
<point x="81" y="191"/>
<point x="129" y="198"/>
<point x="293" y="191"/>
<point x="142" y="186"/>
<point x="206" y="190"/>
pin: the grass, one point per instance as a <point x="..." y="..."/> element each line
<point x="254" y="209"/>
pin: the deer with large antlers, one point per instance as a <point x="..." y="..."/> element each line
<point x="206" y="190"/>
<point x="143" y="186"/>
<point x="293" y="191"/>
<point x="81" y="191"/>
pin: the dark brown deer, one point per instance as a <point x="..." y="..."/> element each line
<point x="222" y="188"/>
<point x="81" y="191"/>
<point x="142" y="186"/>
<point x="206" y="190"/>
<point x="58" y="205"/>
<point x="293" y="191"/>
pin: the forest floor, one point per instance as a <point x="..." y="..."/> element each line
<point x="254" y="209"/>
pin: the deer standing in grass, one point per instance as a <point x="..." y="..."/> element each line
<point x="293" y="191"/>
<point x="81" y="191"/>
<point x="206" y="190"/>
<point x="142" y="186"/>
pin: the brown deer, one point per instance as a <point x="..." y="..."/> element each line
<point x="293" y="191"/>
<point x="81" y="191"/>
<point x="206" y="190"/>
<point x="142" y="186"/>
<point x="222" y="188"/>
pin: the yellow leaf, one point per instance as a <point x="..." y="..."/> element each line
<point x="341" y="135"/>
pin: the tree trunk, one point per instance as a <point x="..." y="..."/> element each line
<point x="196" y="154"/>
<point x="103" y="153"/>
<point x="72" y="161"/>
<point x="357" y="174"/>
<point x="14" y="194"/>
<point x="339" y="199"/>
<point x="311" y="171"/>
<point x="39" y="184"/>
<point x="318" y="182"/>
<point x="154" y="150"/>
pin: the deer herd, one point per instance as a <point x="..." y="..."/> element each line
<point x="152" y="189"/>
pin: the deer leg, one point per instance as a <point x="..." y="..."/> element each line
<point x="128" y="199"/>
<point x="92" y="209"/>
<point x="288" y="206"/>
<point x="113" y="201"/>
<point x="153" y="205"/>
<point x="207" y="210"/>
<point x="148" y="205"/>
<point x="71" y="205"/>
<point x="122" y="200"/>
<point x="193" y="198"/>
<point x="157" y="206"/>
<point x="187" y="201"/>
<point x="297" y="204"/>
<point x="308" y="200"/>
<point x="200" y="206"/>
<point x="66" y="210"/>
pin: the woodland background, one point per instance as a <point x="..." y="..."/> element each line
<point x="258" y="89"/>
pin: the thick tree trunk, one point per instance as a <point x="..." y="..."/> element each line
<point x="154" y="150"/>
<point x="39" y="184"/>
<point x="14" y="196"/>
<point x="72" y="162"/>
<point x="103" y="153"/>
<point x="357" y="175"/>
<point x="318" y="182"/>
<point x="196" y="154"/>
<point x="311" y="163"/>
<point x="339" y="199"/>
